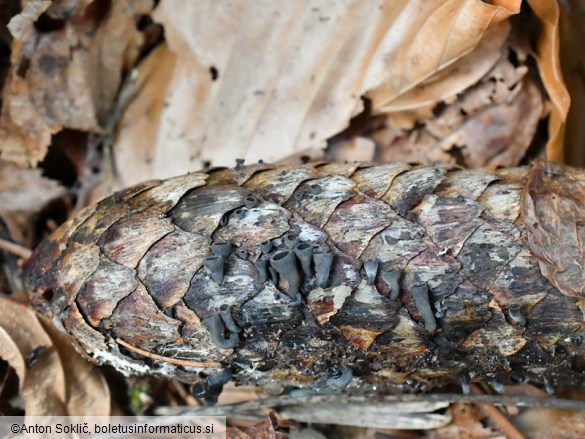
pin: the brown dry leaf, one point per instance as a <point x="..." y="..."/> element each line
<point x="67" y="63"/>
<point x="466" y="423"/>
<point x="573" y="62"/>
<point x="262" y="430"/>
<point x="457" y="77"/>
<point x="23" y="194"/>
<point x="553" y="207"/>
<point x="539" y="423"/>
<point x="441" y="34"/>
<point x="490" y="124"/>
<point x="550" y="72"/>
<point x="87" y="390"/>
<point x="263" y="80"/>
<point x="59" y="382"/>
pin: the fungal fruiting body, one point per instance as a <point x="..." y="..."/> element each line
<point x="376" y="276"/>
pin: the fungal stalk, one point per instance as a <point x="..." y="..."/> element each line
<point x="291" y="240"/>
<point x="215" y="266"/>
<point x="420" y="294"/>
<point x="214" y="324"/>
<point x="323" y="263"/>
<point x="260" y="265"/>
<point x="392" y="278"/>
<point x="284" y="262"/>
<point x="250" y="201"/>
<point x="304" y="252"/>
<point x="226" y="315"/>
<point x="266" y="246"/>
<point x="516" y="314"/>
<point x="221" y="249"/>
<point x="371" y="269"/>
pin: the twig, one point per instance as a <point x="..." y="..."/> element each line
<point x="15" y="249"/>
<point x="186" y="396"/>
<point x="498" y="418"/>
<point x="177" y="361"/>
<point x="314" y="398"/>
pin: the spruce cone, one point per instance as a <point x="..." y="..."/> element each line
<point x="389" y="277"/>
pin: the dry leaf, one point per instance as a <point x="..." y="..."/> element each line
<point x="572" y="34"/>
<point x="546" y="423"/>
<point x="490" y="124"/>
<point x="457" y="77"/>
<point x="441" y="33"/>
<point x="20" y="335"/>
<point x="550" y="72"/>
<point x="262" y="430"/>
<point x="264" y="80"/>
<point x="66" y="70"/>
<point x="23" y="194"/>
<point x="54" y="380"/>
<point x="466" y="423"/>
<point x="87" y="390"/>
<point x="554" y="215"/>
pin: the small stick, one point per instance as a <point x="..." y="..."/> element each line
<point x="498" y="418"/>
<point x="15" y="249"/>
<point x="186" y="396"/>
<point x="176" y="361"/>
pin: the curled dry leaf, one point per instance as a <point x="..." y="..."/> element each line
<point x="490" y="124"/>
<point x="440" y="35"/>
<point x="554" y="212"/>
<point x="66" y="68"/>
<point x="548" y="12"/>
<point x="572" y="57"/>
<point x="53" y="378"/>
<point x="486" y="105"/>
<point x="264" y="80"/>
<point x="378" y="277"/>
<point x="458" y="76"/>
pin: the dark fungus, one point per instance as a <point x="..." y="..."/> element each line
<point x="371" y="269"/>
<point x="198" y="390"/>
<point x="219" y="379"/>
<point x="516" y="314"/>
<point x="250" y="201"/>
<point x="337" y="381"/>
<point x="284" y="263"/>
<point x="266" y="246"/>
<point x="392" y="278"/>
<point x="221" y="249"/>
<point x="273" y="275"/>
<point x="214" y="324"/>
<point x="242" y="254"/>
<point x="439" y="311"/>
<point x="210" y="389"/>
<point x="323" y="263"/>
<point x="548" y="387"/>
<point x="291" y="239"/>
<point x="304" y="252"/>
<point x="497" y="386"/>
<point x="420" y="294"/>
<point x="226" y="315"/>
<point x="215" y="265"/>
<point x="465" y="381"/>
<point x="239" y="214"/>
<point x="260" y="265"/>
<point x="316" y="189"/>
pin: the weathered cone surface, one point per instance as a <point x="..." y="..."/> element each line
<point x="488" y="264"/>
